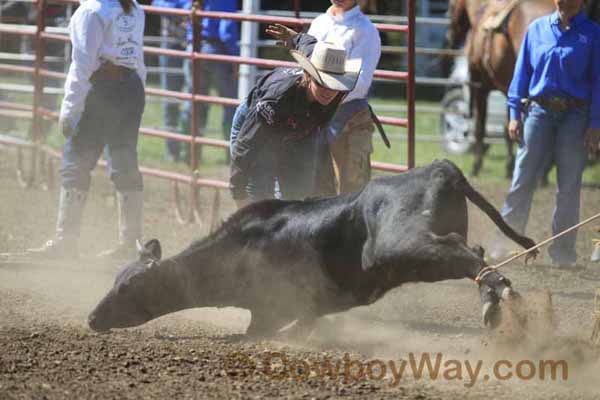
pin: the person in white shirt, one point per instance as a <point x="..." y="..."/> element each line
<point x="350" y="133"/>
<point x="102" y="110"/>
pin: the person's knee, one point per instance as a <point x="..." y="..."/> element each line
<point x="74" y="176"/>
<point x="358" y="171"/>
<point x="76" y="180"/>
<point x="130" y="180"/>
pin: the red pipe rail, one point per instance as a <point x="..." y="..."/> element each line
<point x="195" y="15"/>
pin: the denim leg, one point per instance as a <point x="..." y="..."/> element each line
<point x="186" y="113"/>
<point x="170" y="107"/>
<point x="121" y="144"/>
<point x="170" y="81"/>
<point x="570" y="155"/>
<point x="173" y="82"/>
<point x="83" y="148"/>
<point x="261" y="183"/>
<point x="238" y="120"/>
<point x="79" y="159"/>
<point x="532" y="155"/>
<point x="206" y="76"/>
<point x="217" y="75"/>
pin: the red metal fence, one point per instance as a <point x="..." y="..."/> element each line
<point x="42" y="155"/>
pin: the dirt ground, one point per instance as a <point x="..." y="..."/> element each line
<point x="47" y="350"/>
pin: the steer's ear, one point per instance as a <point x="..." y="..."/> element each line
<point x="151" y="251"/>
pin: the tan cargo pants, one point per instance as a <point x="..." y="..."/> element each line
<point x="351" y="153"/>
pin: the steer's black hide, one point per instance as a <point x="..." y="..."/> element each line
<point x="298" y="260"/>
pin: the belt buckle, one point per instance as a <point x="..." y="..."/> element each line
<point x="556" y="104"/>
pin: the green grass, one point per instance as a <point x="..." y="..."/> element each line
<point x="151" y="150"/>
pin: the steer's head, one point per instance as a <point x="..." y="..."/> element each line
<point x="127" y="303"/>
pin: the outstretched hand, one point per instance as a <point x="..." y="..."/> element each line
<point x="282" y="34"/>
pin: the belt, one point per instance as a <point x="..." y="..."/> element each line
<point x="377" y="123"/>
<point x="112" y="72"/>
<point x="559" y="104"/>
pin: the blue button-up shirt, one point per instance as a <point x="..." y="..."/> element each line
<point x="184" y="4"/>
<point x="224" y="30"/>
<point x="553" y="62"/>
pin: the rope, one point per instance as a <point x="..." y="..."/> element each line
<point x="489" y="269"/>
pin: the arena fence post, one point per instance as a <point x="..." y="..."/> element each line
<point x="410" y="87"/>
<point x="38" y="87"/>
<point x="194" y="123"/>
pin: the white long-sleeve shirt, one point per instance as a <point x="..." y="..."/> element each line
<point x="100" y="31"/>
<point x="356" y="33"/>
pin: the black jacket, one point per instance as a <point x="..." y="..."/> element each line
<point x="278" y="114"/>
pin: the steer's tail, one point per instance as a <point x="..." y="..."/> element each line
<point x="485" y="206"/>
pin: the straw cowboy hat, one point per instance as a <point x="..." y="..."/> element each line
<point x="329" y="67"/>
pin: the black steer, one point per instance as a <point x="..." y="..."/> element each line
<point x="298" y="260"/>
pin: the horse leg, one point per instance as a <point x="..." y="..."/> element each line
<point x="479" y="104"/>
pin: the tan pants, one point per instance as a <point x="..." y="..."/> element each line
<point x="351" y="153"/>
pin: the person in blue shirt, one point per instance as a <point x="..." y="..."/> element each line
<point x="219" y="36"/>
<point x="173" y="32"/>
<point x="558" y="73"/>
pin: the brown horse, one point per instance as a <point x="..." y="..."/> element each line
<point x="593" y="10"/>
<point x="493" y="32"/>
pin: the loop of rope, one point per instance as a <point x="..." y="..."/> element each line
<point x="491" y="268"/>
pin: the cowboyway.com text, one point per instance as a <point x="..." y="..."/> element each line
<point x="423" y="366"/>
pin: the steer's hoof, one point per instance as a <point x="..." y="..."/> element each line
<point x="491" y="315"/>
<point x="491" y="309"/>
<point x="509" y="294"/>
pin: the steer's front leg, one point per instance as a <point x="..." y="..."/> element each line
<point x="448" y="257"/>
<point x="492" y="287"/>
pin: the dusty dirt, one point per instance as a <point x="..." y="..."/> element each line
<point x="47" y="351"/>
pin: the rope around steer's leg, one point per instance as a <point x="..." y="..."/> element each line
<point x="492" y="268"/>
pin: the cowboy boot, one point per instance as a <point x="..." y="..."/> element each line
<point x="130" y="209"/>
<point x="68" y="226"/>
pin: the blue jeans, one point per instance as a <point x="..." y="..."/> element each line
<point x="289" y="172"/>
<point x="548" y="134"/>
<point x="171" y="81"/>
<point x="261" y="185"/>
<point x="110" y="121"/>
<point x="211" y="74"/>
<point x="236" y="124"/>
